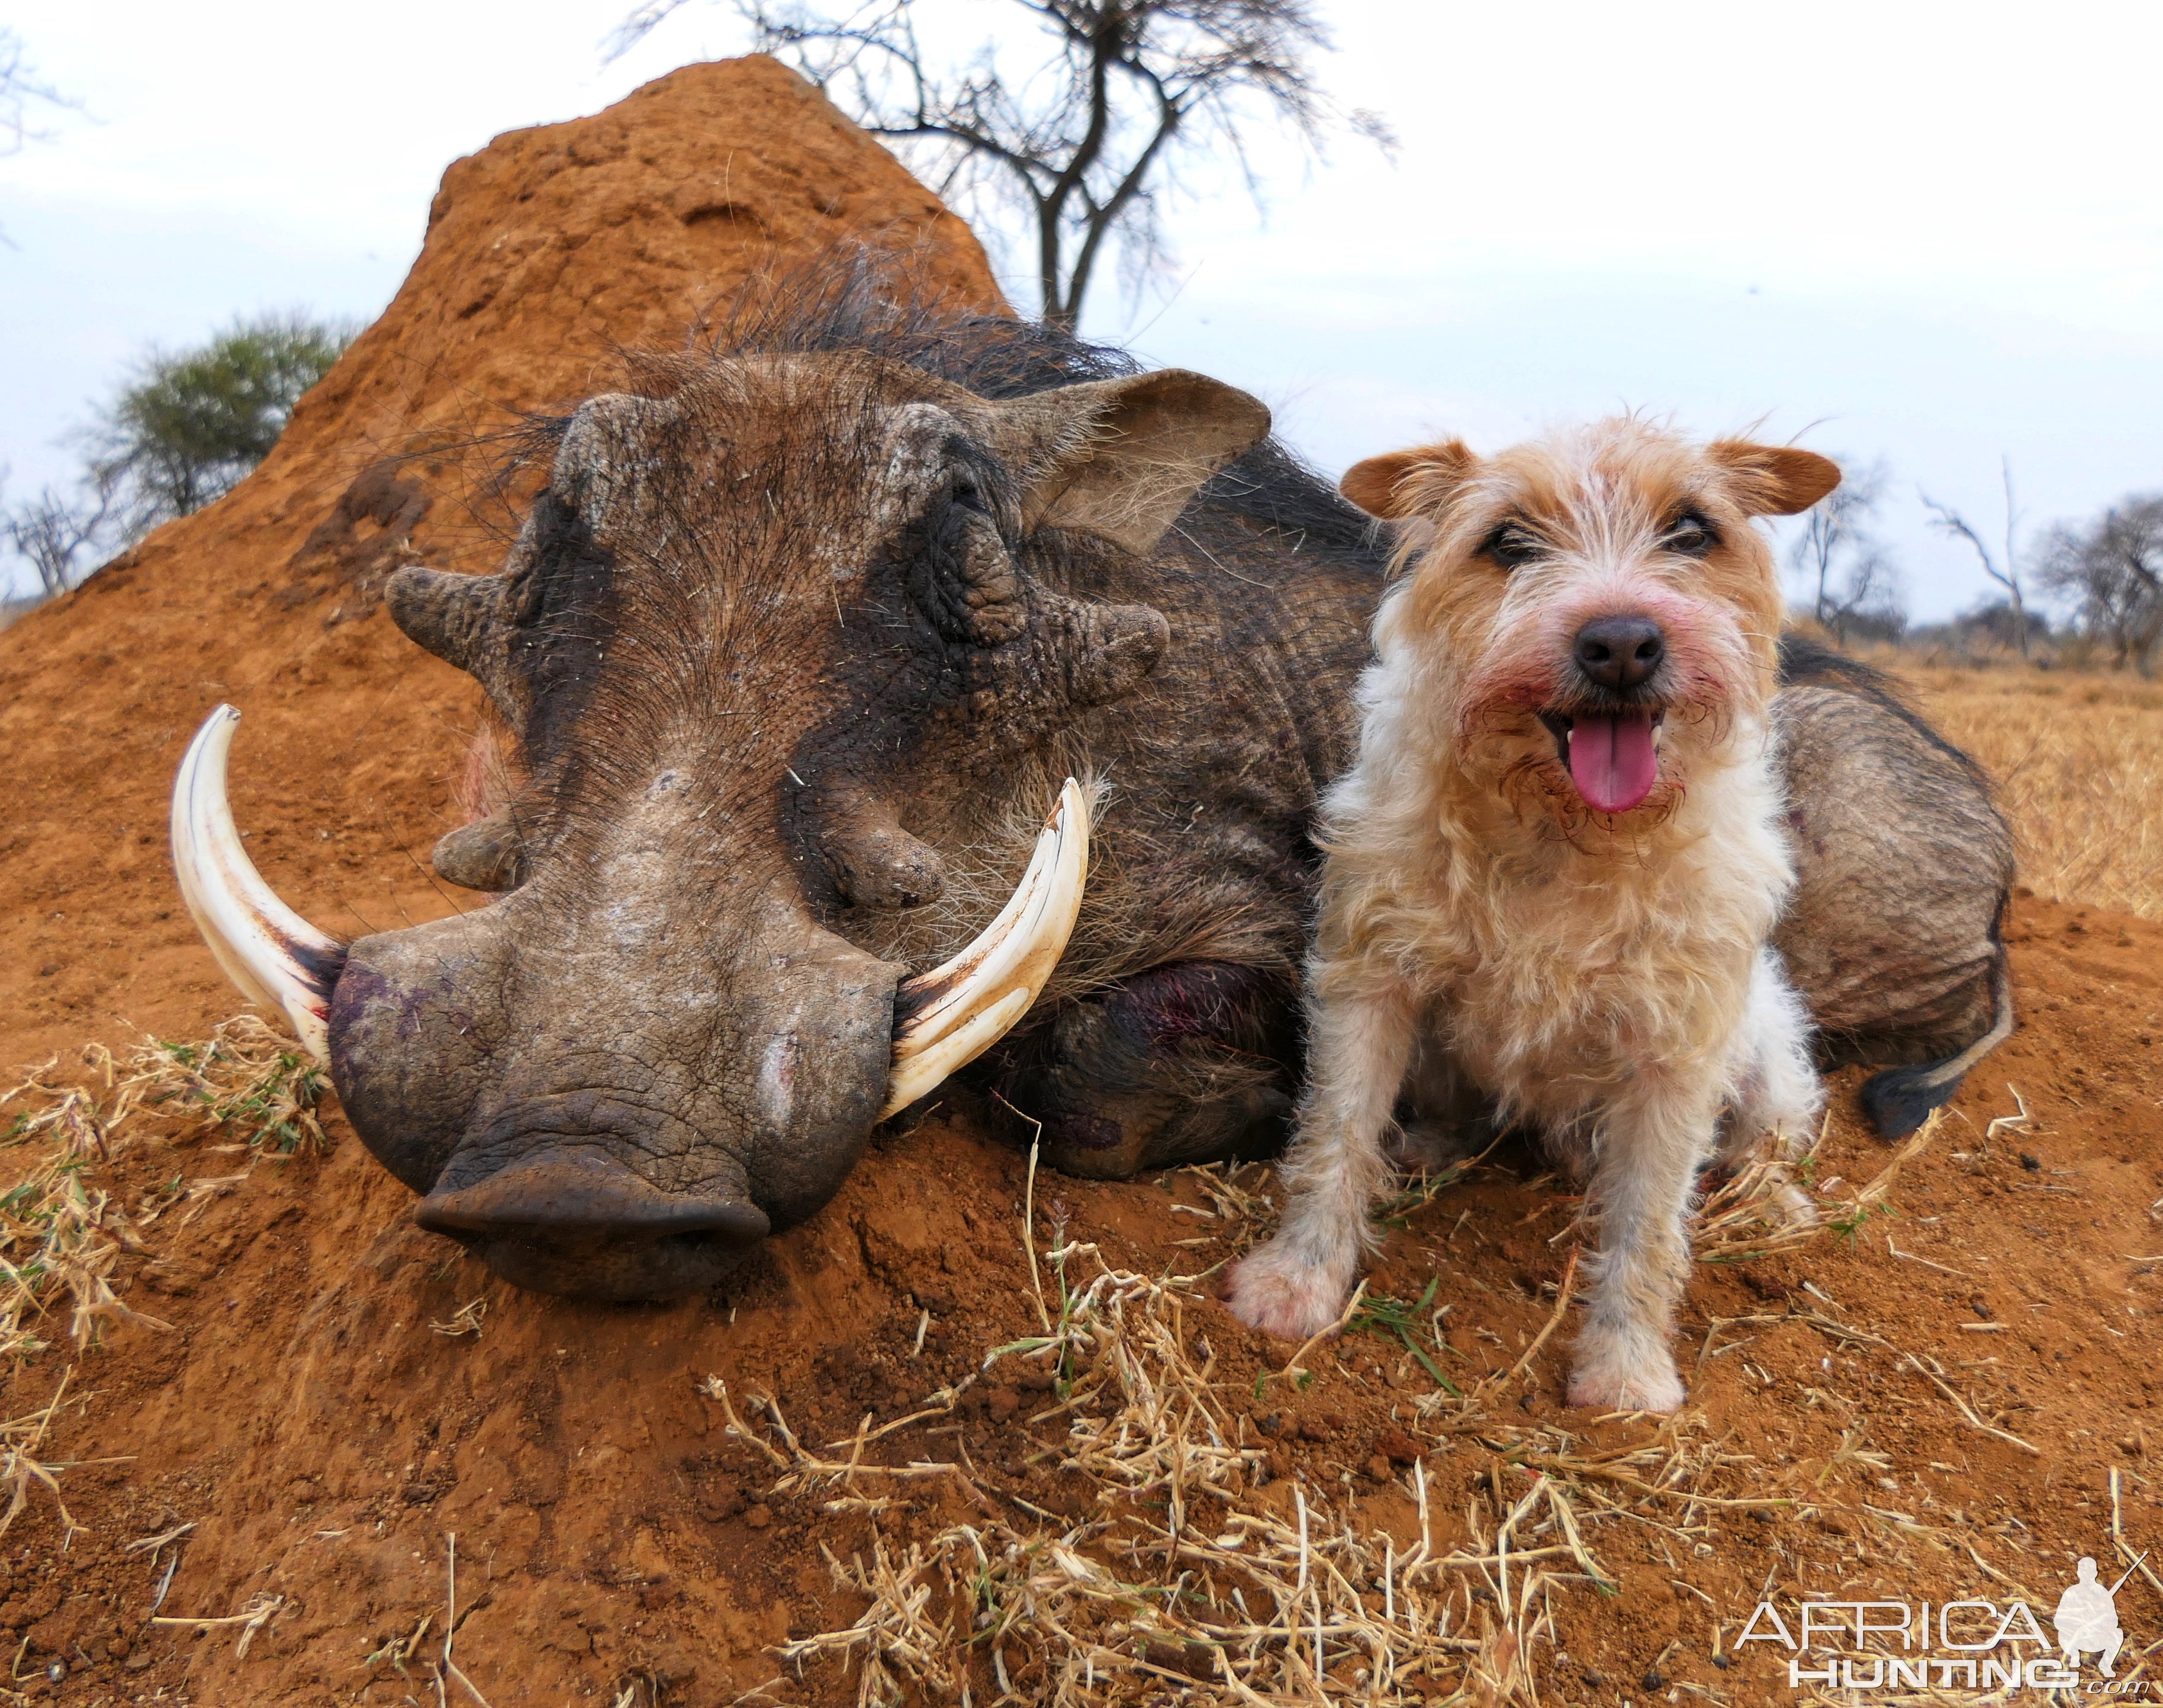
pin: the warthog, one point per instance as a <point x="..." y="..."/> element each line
<point x="1903" y="865"/>
<point x="796" y="646"/>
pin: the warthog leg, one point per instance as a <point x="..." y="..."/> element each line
<point x="1900" y="1099"/>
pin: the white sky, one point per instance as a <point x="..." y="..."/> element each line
<point x="1926" y="232"/>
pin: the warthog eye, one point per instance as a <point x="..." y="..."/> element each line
<point x="970" y="496"/>
<point x="1512" y="546"/>
<point x="1690" y="535"/>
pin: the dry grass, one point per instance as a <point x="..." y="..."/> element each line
<point x="22" y="1441"/>
<point x="2079" y="763"/>
<point x="1186" y="1585"/>
<point x="245" y="1090"/>
<point x="1207" y="1570"/>
<point x="1195" y="1580"/>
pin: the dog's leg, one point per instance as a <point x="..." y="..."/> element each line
<point x="1296" y="1285"/>
<point x="1774" y="1087"/>
<point x="1646" y="1159"/>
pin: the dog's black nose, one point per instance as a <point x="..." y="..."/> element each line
<point x="1620" y="652"/>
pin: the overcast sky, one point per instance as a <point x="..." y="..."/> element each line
<point x="1928" y="232"/>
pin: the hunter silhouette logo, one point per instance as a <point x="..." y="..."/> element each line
<point x="2087" y="1619"/>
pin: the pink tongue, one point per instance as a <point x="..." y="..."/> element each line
<point x="1612" y="762"/>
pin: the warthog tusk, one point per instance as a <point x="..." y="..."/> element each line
<point x="275" y="956"/>
<point x="951" y="1016"/>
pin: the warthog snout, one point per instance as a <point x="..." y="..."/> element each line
<point x="605" y="1115"/>
<point x="578" y="1221"/>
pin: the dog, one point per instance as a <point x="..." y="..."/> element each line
<point x="1554" y="866"/>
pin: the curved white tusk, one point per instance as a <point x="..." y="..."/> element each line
<point x="275" y="956"/>
<point x="953" y="1014"/>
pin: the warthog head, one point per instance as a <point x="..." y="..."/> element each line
<point x="763" y="640"/>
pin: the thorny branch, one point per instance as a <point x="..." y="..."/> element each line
<point x="1085" y="143"/>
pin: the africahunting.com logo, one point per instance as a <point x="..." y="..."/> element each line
<point x="1967" y="1644"/>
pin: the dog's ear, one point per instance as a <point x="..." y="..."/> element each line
<point x="1775" y="480"/>
<point x="1414" y="483"/>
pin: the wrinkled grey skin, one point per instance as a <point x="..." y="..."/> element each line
<point x="795" y="647"/>
<point x="796" y="651"/>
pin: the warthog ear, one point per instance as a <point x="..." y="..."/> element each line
<point x="1121" y="457"/>
<point x="1775" y="480"/>
<point x="1402" y="483"/>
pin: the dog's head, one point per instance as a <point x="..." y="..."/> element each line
<point x="1595" y="610"/>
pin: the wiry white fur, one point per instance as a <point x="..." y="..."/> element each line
<point x="1607" y="982"/>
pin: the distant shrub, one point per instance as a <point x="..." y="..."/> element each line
<point x="190" y="425"/>
<point x="186" y="428"/>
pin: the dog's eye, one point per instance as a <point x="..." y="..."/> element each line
<point x="1512" y="546"/>
<point x="1691" y="536"/>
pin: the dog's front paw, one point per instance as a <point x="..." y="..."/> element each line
<point x="1284" y="1295"/>
<point x="1619" y="1383"/>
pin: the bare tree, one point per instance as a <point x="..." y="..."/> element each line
<point x="22" y="91"/>
<point x="1854" y="580"/>
<point x="54" y="532"/>
<point x="1869" y="600"/>
<point x="2112" y="570"/>
<point x="1085" y="141"/>
<point x="2006" y="570"/>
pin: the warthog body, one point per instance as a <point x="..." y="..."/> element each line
<point x="795" y="647"/>
<point x="1903" y="865"/>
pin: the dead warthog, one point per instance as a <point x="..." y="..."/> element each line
<point x="796" y="648"/>
<point x="797" y="645"/>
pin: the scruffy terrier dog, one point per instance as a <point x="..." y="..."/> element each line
<point x="1553" y="870"/>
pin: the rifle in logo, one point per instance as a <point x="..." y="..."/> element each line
<point x="2087" y="1619"/>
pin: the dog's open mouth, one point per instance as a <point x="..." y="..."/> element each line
<point x="1613" y="757"/>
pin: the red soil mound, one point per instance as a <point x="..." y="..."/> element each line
<point x="546" y="253"/>
<point x="310" y="1414"/>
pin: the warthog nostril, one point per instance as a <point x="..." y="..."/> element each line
<point x="1620" y="652"/>
<point x="581" y="1199"/>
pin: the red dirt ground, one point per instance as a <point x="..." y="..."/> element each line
<point x="614" y="1545"/>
